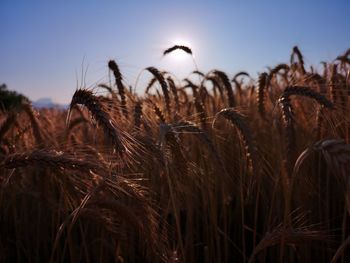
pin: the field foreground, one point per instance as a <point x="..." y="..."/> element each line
<point x="210" y="169"/>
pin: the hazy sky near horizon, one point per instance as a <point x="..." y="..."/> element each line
<point x="46" y="45"/>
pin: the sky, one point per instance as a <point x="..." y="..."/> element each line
<point x="51" y="48"/>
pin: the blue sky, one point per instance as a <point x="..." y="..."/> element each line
<point x="46" y="44"/>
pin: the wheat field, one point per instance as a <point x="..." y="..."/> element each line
<point x="217" y="167"/>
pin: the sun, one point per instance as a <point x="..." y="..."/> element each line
<point x="180" y="55"/>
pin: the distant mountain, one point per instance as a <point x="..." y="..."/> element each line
<point x="47" y="103"/>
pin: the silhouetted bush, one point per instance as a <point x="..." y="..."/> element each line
<point x="10" y="99"/>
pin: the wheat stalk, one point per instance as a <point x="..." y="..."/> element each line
<point x="118" y="81"/>
<point x="263" y="82"/>
<point x="175" y="47"/>
<point x="227" y="84"/>
<point x="239" y="121"/>
<point x="297" y="52"/>
<point x="288" y="115"/>
<point x="51" y="158"/>
<point x="160" y="78"/>
<point x="92" y="103"/>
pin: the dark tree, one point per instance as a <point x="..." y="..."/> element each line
<point x="10" y="99"/>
